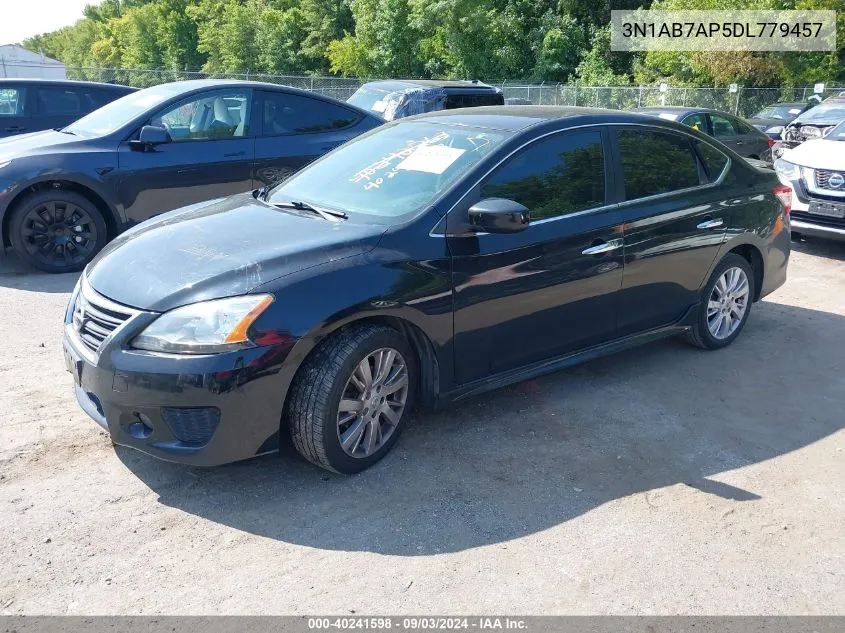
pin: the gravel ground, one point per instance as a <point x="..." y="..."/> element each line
<point x="662" y="480"/>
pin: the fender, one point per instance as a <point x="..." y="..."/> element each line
<point x="79" y="179"/>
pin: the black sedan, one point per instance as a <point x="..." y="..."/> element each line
<point x="744" y="139"/>
<point x="64" y="193"/>
<point x="30" y="105"/>
<point x="425" y="262"/>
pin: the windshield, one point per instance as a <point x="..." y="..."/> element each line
<point x="825" y="112"/>
<point x="394" y="172"/>
<point x="837" y="133"/>
<point x="778" y="112"/>
<point x="372" y="97"/>
<point x="113" y="116"/>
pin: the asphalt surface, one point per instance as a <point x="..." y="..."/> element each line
<point x="663" y="480"/>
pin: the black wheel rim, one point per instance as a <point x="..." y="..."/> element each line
<point x="59" y="233"/>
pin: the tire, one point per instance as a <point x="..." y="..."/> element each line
<point x="316" y="417"/>
<point x="57" y="231"/>
<point x="701" y="335"/>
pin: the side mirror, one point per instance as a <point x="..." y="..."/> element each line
<point x="150" y="136"/>
<point x="498" y="215"/>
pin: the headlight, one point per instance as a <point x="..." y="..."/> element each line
<point x="208" y="327"/>
<point x="775" y="130"/>
<point x="787" y="170"/>
<point x="811" y="132"/>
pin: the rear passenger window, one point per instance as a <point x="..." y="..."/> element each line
<point x="59" y="102"/>
<point x="11" y="101"/>
<point x="696" y="121"/>
<point x="714" y="160"/>
<point x="286" y="113"/>
<point x="656" y="162"/>
<point x="557" y="176"/>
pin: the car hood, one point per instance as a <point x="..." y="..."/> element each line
<point x="219" y="249"/>
<point x="818" y="153"/>
<point x="35" y="143"/>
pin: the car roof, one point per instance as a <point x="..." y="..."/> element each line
<point x="519" y="117"/>
<point x="450" y="84"/>
<point x="66" y="82"/>
<point x="797" y="104"/>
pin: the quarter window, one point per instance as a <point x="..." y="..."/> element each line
<point x="656" y="162"/>
<point x="11" y="101"/>
<point x="286" y="113"/>
<point x="714" y="160"/>
<point x="559" y="175"/>
<point x="696" y="121"/>
<point x="208" y="116"/>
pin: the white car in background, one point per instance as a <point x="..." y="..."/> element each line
<point x="815" y="170"/>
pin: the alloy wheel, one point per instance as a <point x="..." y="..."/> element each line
<point x="372" y="402"/>
<point x="59" y="233"/>
<point x="728" y="303"/>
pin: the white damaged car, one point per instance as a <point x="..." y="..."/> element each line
<point x="815" y="170"/>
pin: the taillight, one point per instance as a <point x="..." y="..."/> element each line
<point x="784" y="196"/>
<point x="770" y="141"/>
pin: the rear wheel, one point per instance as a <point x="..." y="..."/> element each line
<point x="57" y="231"/>
<point x="725" y="304"/>
<point x="351" y="398"/>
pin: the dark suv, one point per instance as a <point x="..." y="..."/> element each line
<point x="394" y="99"/>
<point x="30" y="105"/>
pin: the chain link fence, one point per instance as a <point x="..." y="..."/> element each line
<point x="744" y="102"/>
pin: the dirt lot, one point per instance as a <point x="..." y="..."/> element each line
<point x="662" y="480"/>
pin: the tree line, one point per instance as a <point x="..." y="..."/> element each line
<point x="491" y="40"/>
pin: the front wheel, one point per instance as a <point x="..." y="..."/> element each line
<point x="57" y="231"/>
<point x="351" y="398"/>
<point x="725" y="304"/>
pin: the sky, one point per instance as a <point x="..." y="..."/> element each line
<point x="25" y="18"/>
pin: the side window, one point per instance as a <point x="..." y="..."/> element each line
<point x="559" y="175"/>
<point x="714" y="160"/>
<point x="742" y="127"/>
<point x="655" y="162"/>
<point x="11" y="101"/>
<point x="58" y="102"/>
<point x="286" y="113"/>
<point x="723" y="127"/>
<point x="696" y="121"/>
<point x="221" y="114"/>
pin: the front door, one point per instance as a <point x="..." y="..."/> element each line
<point x="673" y="229"/>
<point x="210" y="155"/>
<point x="551" y="289"/>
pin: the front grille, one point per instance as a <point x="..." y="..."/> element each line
<point x="192" y="426"/>
<point x="824" y="177"/>
<point x="95" y="318"/>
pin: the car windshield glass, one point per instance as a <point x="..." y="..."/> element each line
<point x="778" y="112"/>
<point x="825" y="112"/>
<point x="113" y="116"/>
<point x="837" y="133"/>
<point x="391" y="173"/>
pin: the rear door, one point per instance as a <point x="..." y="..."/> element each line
<point x="553" y="288"/>
<point x="14" y="110"/>
<point x="297" y="129"/>
<point x="210" y="155"/>
<point x="674" y="224"/>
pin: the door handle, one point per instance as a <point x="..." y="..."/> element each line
<point x="711" y="224"/>
<point x="234" y="154"/>
<point x="604" y="247"/>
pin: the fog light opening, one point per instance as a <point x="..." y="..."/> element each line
<point x="140" y="430"/>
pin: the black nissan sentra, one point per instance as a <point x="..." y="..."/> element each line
<point x="427" y="261"/>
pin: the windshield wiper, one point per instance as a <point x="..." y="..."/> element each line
<point x="331" y="216"/>
<point x="64" y="130"/>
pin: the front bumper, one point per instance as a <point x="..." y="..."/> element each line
<point x="813" y="229"/>
<point x="202" y="410"/>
